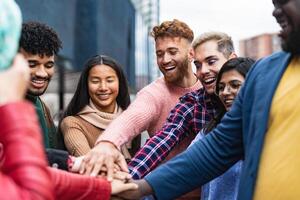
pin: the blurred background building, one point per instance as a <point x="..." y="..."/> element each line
<point x="147" y="16"/>
<point x="259" y="46"/>
<point x="118" y="28"/>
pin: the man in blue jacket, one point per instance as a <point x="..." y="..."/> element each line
<point x="262" y="128"/>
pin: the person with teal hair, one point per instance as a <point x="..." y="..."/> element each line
<point x="10" y="29"/>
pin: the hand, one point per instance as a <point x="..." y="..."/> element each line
<point x="76" y="164"/>
<point x="144" y="189"/>
<point x="118" y="186"/>
<point x="14" y="81"/>
<point x="104" y="154"/>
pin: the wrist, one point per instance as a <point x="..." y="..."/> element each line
<point x="107" y="142"/>
<point x="75" y="165"/>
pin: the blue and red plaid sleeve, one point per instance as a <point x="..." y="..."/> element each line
<point x="158" y="147"/>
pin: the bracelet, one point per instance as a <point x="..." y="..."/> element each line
<point x="108" y="142"/>
<point x="70" y="162"/>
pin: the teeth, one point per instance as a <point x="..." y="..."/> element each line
<point x="38" y="81"/>
<point x="228" y="100"/>
<point x="169" y="68"/>
<point x="209" y="80"/>
<point x="103" y="96"/>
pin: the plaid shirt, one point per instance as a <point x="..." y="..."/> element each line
<point x="189" y="116"/>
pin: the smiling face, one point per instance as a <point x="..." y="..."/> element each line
<point x="172" y="56"/>
<point x="103" y="86"/>
<point x="208" y="61"/>
<point x="287" y="16"/>
<point x="41" y="72"/>
<point x="229" y="86"/>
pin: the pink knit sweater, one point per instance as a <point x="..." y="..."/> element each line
<point x="147" y="112"/>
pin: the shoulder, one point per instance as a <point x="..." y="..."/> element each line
<point x="157" y="85"/>
<point x="153" y="92"/>
<point x="270" y="62"/>
<point x="70" y="121"/>
<point x="193" y="96"/>
<point x="45" y="107"/>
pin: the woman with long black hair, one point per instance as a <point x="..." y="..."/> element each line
<point x="101" y="96"/>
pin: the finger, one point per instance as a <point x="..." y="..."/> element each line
<point x="124" y="176"/>
<point x="110" y="168"/>
<point x="83" y="164"/>
<point x="90" y="165"/>
<point x="129" y="186"/>
<point x="104" y="168"/>
<point x="122" y="163"/>
<point x="102" y="174"/>
<point x="120" y="176"/>
<point x="96" y="166"/>
<point x="117" y="167"/>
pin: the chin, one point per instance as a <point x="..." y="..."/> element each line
<point x="292" y="43"/>
<point x="210" y="90"/>
<point x="36" y="92"/>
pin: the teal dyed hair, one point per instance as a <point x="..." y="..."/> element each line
<point x="10" y="29"/>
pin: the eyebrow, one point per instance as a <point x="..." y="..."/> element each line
<point x="168" y="49"/>
<point x="210" y="57"/>
<point x="113" y="76"/>
<point x="33" y="61"/>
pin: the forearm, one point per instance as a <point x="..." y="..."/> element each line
<point x="151" y="155"/>
<point x="74" y="186"/>
<point x="133" y="121"/>
<point x="158" y="147"/>
<point x="203" y="161"/>
<point x="24" y="170"/>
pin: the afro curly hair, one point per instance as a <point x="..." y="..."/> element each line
<point x="38" y="38"/>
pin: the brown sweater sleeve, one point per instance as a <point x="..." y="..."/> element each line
<point x="74" y="136"/>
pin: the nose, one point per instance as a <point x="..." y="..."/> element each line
<point x="277" y="11"/>
<point x="204" y="69"/>
<point x="41" y="72"/>
<point x="166" y="58"/>
<point x="103" y="86"/>
<point x="226" y="91"/>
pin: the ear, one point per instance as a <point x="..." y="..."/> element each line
<point x="233" y="55"/>
<point x="191" y="54"/>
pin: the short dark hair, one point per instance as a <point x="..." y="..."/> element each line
<point x="38" y="38"/>
<point x="173" y="28"/>
<point x="81" y="96"/>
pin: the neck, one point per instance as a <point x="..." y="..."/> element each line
<point x="188" y="80"/>
<point x="31" y="98"/>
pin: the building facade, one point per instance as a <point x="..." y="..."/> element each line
<point x="259" y="46"/>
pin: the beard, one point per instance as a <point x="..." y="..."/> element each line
<point x="182" y="70"/>
<point x="292" y="43"/>
<point x="36" y="92"/>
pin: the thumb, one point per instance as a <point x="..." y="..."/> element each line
<point x="122" y="164"/>
<point x="130" y="186"/>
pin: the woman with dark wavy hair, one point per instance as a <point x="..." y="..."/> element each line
<point x="229" y="81"/>
<point x="101" y="96"/>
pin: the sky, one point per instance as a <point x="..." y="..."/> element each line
<point x="240" y="19"/>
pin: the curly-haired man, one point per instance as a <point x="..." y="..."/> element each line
<point x="40" y="44"/>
